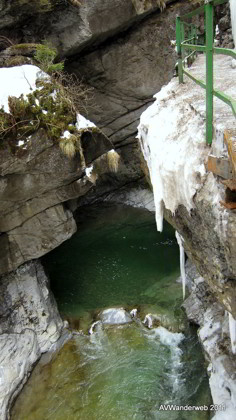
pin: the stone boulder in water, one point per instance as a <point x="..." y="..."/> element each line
<point x="115" y="316"/>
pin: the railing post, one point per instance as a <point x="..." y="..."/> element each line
<point x="209" y="11"/>
<point x="178" y="45"/>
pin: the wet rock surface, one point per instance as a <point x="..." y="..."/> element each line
<point x="115" y="316"/>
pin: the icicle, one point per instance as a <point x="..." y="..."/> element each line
<point x="232" y="330"/>
<point x="180" y="241"/>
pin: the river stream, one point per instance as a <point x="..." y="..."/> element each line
<point x="120" y="371"/>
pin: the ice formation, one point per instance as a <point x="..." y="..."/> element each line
<point x="232" y="330"/>
<point x="173" y="149"/>
<point x="180" y="241"/>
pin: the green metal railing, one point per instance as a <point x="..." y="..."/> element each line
<point x="190" y="45"/>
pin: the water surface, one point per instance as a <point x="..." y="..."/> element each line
<point x="117" y="258"/>
<point x="122" y="372"/>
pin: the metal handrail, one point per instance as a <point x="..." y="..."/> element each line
<point x="209" y="49"/>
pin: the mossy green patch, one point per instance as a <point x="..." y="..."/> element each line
<point x="45" y="55"/>
<point x="17" y="60"/>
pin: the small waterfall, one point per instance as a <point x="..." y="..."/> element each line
<point x="172" y="340"/>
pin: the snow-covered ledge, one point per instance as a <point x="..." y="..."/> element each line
<point x="174" y="150"/>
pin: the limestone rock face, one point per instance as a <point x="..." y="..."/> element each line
<point x="29" y="325"/>
<point x="69" y="26"/>
<point x="26" y="303"/>
<point x="131" y="58"/>
<point x="125" y="73"/>
<point x="36" y="236"/>
<point x="202" y="309"/>
<point x="34" y="183"/>
<point x="209" y="240"/>
<point x="18" y="353"/>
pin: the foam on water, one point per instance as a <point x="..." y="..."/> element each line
<point x="167" y="337"/>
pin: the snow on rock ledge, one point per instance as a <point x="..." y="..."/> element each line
<point x="173" y="149"/>
<point x="16" y="81"/>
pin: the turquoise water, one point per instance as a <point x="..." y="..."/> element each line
<point x="121" y="372"/>
<point x="123" y="262"/>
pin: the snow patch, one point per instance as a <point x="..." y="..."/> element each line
<point x="20" y="143"/>
<point x="174" y="150"/>
<point x="88" y="171"/>
<point x="16" y="81"/>
<point x="66" y="135"/>
<point x="53" y="95"/>
<point x="82" y="122"/>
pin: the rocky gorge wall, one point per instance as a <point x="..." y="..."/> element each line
<point x="30" y="325"/>
<point x="191" y="196"/>
<point x="38" y="183"/>
<point x="118" y="48"/>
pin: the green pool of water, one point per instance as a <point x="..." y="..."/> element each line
<point x="117" y="258"/>
<point x="122" y="372"/>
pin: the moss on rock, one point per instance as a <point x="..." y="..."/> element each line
<point x="48" y="107"/>
<point x="40" y="5"/>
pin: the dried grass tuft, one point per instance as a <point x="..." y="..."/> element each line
<point x="113" y="160"/>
